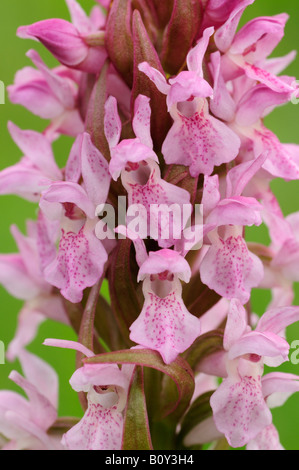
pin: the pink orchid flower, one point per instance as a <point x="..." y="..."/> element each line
<point x="137" y="163"/>
<point x="101" y="427"/>
<point x="244" y="110"/>
<point x="281" y="256"/>
<point x="164" y="324"/>
<point x="75" y="207"/>
<point x="239" y="407"/>
<point x="187" y="84"/>
<point x="227" y="266"/>
<point x="196" y="139"/>
<point x="246" y="50"/>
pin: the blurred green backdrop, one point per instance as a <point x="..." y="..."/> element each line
<point x="283" y="121"/>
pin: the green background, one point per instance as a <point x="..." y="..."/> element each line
<point x="283" y="121"/>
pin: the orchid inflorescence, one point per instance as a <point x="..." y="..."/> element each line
<point x="165" y="102"/>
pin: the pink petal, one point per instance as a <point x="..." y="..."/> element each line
<point x="276" y="65"/>
<point x="293" y="221"/>
<point x="142" y="120"/>
<point x="236" y="324"/>
<point x="278" y="226"/>
<point x="278" y="387"/>
<point x="186" y="86"/>
<point x="213" y="318"/>
<point x="28" y="323"/>
<point x="267" y="439"/>
<point x="258" y="38"/>
<point x="94" y="60"/>
<point x="79" y="18"/>
<point x="79" y="264"/>
<point x="99" y="429"/>
<point x="214" y="364"/>
<point x="27" y="74"/>
<point x="239" y="409"/>
<point x="236" y="211"/>
<point x="219" y="11"/>
<point x="277" y="319"/>
<point x="129" y="150"/>
<point x="14" y="277"/>
<point x="98" y="17"/>
<point x="112" y="122"/>
<point x="230" y="269"/>
<point x="10" y="400"/>
<point x="61" y="343"/>
<point x="204" y="432"/>
<point x="164" y="324"/>
<point x="46" y="237"/>
<point x="41" y="375"/>
<point x="204" y="383"/>
<point x="222" y="104"/>
<point x="95" y="171"/>
<point x="240" y="175"/>
<point x="211" y="195"/>
<point x="23" y="180"/>
<point x="34" y="431"/>
<point x="29" y="319"/>
<point x="282" y="297"/>
<point x="37" y="148"/>
<point x="225" y="34"/>
<point x="200" y="142"/>
<point x="264" y="344"/>
<point x="74" y="165"/>
<point x="196" y="55"/>
<point x="52" y="307"/>
<point x="155" y="76"/>
<point x="99" y="375"/>
<point x="60" y="86"/>
<point x="139" y="245"/>
<point x="165" y="260"/>
<point x="258" y="102"/>
<point x="36" y="96"/>
<point x="286" y="260"/>
<point x="274" y="83"/>
<point x="70" y="123"/>
<point x="44" y="413"/>
<point x="60" y="193"/>
<point x="281" y="161"/>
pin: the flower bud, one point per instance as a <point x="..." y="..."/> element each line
<point x="64" y="41"/>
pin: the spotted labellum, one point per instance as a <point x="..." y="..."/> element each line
<point x="140" y="245"/>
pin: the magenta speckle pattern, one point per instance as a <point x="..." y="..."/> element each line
<point x="165" y="325"/>
<point x="200" y="142"/>
<point x="78" y="265"/>
<point x="240" y="410"/>
<point x="230" y="269"/>
<point x="99" y="429"/>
